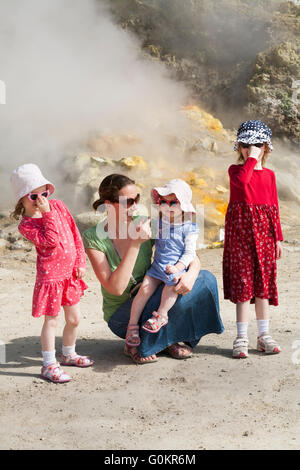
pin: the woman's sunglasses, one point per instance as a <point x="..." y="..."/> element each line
<point x="128" y="202"/>
<point x="34" y="196"/>
<point x="246" y="146"/>
<point x="164" y="202"/>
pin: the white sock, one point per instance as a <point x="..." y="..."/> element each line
<point x="242" y="328"/>
<point x="68" y="350"/>
<point x="263" y="326"/>
<point x="48" y="358"/>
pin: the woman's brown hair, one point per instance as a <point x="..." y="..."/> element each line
<point x="110" y="187"/>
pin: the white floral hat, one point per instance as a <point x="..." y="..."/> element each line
<point x="182" y="191"/>
<point x="27" y="177"/>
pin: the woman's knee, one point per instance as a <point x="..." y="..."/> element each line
<point x="207" y="277"/>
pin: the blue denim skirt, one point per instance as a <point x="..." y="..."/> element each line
<point x="194" y="315"/>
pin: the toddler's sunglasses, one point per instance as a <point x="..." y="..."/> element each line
<point x="34" y="196"/>
<point x="128" y="202"/>
<point x="246" y="146"/>
<point x="164" y="202"/>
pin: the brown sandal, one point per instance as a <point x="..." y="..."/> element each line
<point x="137" y="358"/>
<point x="177" y="351"/>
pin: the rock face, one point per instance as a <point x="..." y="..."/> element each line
<point x="274" y="87"/>
<point x="232" y="55"/>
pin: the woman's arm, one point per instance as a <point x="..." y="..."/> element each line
<point x="114" y="282"/>
<point x="187" y="279"/>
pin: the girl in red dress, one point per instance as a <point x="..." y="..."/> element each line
<point x="252" y="237"/>
<point x="60" y="266"/>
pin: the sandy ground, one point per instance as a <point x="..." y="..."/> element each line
<point x="209" y="401"/>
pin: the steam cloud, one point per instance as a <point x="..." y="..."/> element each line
<point x="69" y="71"/>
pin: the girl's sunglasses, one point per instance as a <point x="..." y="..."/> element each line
<point x="34" y="196"/>
<point x="164" y="202"/>
<point x="128" y="202"/>
<point x="246" y="146"/>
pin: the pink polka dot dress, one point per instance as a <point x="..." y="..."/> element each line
<point x="252" y="228"/>
<point x="60" y="251"/>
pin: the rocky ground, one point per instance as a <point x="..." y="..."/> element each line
<point x="209" y="401"/>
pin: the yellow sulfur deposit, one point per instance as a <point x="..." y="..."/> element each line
<point x="134" y="162"/>
<point x="222" y="207"/>
<point x="192" y="179"/>
<point x="207" y="119"/>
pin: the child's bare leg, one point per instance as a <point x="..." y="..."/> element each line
<point x="48" y="339"/>
<point x="148" y="287"/>
<point x="70" y="357"/>
<point x="72" y="317"/>
<point x="242" y="316"/>
<point x="240" y="344"/>
<point x="262" y="315"/>
<point x="168" y="299"/>
<point x="159" y="318"/>
<point x="48" y="333"/>
<point x="262" y="308"/>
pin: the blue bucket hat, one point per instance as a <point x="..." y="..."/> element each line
<point x="254" y="132"/>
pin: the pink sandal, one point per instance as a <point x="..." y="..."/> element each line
<point x="155" y="323"/>
<point x="55" y="374"/>
<point x="77" y="361"/>
<point x="132" y="334"/>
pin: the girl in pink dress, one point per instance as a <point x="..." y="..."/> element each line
<point x="252" y="237"/>
<point x="60" y="266"/>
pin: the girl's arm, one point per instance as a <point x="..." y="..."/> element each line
<point x="241" y="174"/>
<point x="275" y="201"/>
<point x="190" y="244"/>
<point x="80" y="258"/>
<point x="114" y="282"/>
<point x="45" y="236"/>
<point x="188" y="278"/>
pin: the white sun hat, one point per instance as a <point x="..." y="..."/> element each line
<point x="182" y="191"/>
<point x="27" y="177"/>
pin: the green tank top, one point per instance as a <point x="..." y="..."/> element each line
<point x="96" y="238"/>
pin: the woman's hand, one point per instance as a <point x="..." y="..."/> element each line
<point x="279" y="250"/>
<point x="43" y="203"/>
<point x="185" y="284"/>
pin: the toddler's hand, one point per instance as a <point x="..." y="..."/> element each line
<point x="43" y="204"/>
<point x="171" y="269"/>
<point x="80" y="272"/>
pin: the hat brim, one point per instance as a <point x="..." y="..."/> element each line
<point x="251" y="139"/>
<point x="163" y="191"/>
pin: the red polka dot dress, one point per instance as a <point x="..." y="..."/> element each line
<point x="60" y="251"/>
<point x="252" y="228"/>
